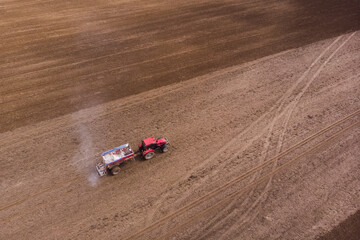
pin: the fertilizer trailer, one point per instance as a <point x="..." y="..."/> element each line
<point x="113" y="158"/>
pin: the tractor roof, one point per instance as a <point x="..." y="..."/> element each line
<point x="149" y="141"/>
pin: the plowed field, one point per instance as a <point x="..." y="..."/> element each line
<point x="260" y="100"/>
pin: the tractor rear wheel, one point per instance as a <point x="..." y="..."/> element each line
<point x="165" y="148"/>
<point x="115" y="170"/>
<point x="149" y="155"/>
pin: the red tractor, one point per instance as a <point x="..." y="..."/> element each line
<point x="148" y="146"/>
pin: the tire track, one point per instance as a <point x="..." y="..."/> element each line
<point x="268" y="128"/>
<point x="247" y="217"/>
<point x="254" y="184"/>
<point x="194" y="203"/>
<point x="202" y="67"/>
<point x="48" y="189"/>
<point x="63" y="123"/>
<point x="290" y="112"/>
<point x="248" y="173"/>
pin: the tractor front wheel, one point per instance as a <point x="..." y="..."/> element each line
<point x="165" y="148"/>
<point x="149" y="155"/>
<point x="115" y="170"/>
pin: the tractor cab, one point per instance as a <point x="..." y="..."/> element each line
<point x="148" y="146"/>
<point x="148" y="143"/>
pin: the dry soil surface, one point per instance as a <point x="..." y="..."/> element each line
<point x="348" y="229"/>
<point x="63" y="104"/>
<point x="57" y="57"/>
<point x="221" y="125"/>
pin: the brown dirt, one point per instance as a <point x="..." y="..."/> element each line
<point x="222" y="121"/>
<point x="347" y="230"/>
<point x="62" y="56"/>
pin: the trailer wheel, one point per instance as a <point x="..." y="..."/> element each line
<point x="115" y="170"/>
<point x="149" y="155"/>
<point x="165" y="148"/>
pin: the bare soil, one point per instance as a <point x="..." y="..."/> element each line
<point x="58" y="57"/>
<point x="348" y="229"/>
<point x="231" y="85"/>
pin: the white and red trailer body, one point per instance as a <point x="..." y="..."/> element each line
<point x="114" y="157"/>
